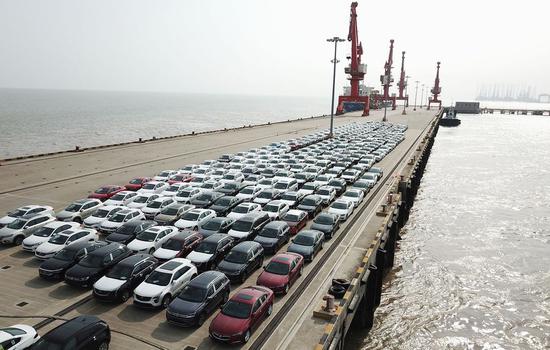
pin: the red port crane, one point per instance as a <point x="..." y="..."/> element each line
<point x="403" y="82"/>
<point x="356" y="100"/>
<point x="436" y="90"/>
<point x="386" y="81"/>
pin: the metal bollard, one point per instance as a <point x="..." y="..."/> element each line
<point x="329" y="307"/>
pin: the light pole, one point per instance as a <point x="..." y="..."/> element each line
<point x="334" y="40"/>
<point x="422" y="97"/>
<point x="405" y="102"/>
<point x="415" y="95"/>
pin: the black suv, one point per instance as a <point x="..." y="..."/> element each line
<point x="128" y="231"/>
<point x="81" y="333"/>
<point x="96" y="264"/>
<point x="225" y="204"/>
<point x="247" y="227"/>
<point x="119" y="283"/>
<point x="55" y="267"/>
<point x="242" y="260"/>
<point x="312" y="204"/>
<point x="199" y="299"/>
<point x="273" y="236"/>
<point x="210" y="251"/>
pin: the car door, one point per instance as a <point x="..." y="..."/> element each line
<point x="293" y="270"/>
<point x="74" y="238"/>
<point x="61" y="229"/>
<point x="180" y="279"/>
<point x="211" y="303"/>
<point x="87" y="209"/>
<point x="256" y="314"/>
<point x="31" y="226"/>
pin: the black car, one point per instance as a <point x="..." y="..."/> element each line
<point x="273" y="236"/>
<point x="223" y="205"/>
<point x="242" y="260"/>
<point x="312" y="204"/>
<point x="339" y="185"/>
<point x="199" y="299"/>
<point x="205" y="199"/>
<point x="247" y="227"/>
<point x="129" y="230"/>
<point x="211" y="251"/>
<point x="307" y="243"/>
<point x="217" y="224"/>
<point x="55" y="267"/>
<point x="327" y="223"/>
<point x="124" y="277"/>
<point x="84" y="332"/>
<point x="231" y="188"/>
<point x="96" y="264"/>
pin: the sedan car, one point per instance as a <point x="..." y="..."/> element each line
<point x="296" y="220"/>
<point x="266" y="195"/>
<point x="105" y="192"/>
<point x="172" y="213"/>
<point x="55" y="267"/>
<point x="154" y="207"/>
<point x="152" y="239"/>
<point x="22" y="211"/>
<point x="121" y="198"/>
<point x="273" y="236"/>
<point x="327" y="223"/>
<point x="205" y="199"/>
<point x="292" y="198"/>
<point x="243" y="209"/>
<point x="248" y="226"/>
<point x="187" y="194"/>
<point x="242" y="260"/>
<point x="100" y="215"/>
<point x="153" y="187"/>
<point x="142" y="199"/>
<point x="44" y="233"/>
<point x="129" y="230"/>
<point x="281" y="272"/>
<point x="194" y="218"/>
<point x="218" y="224"/>
<point x="327" y="194"/>
<point x="136" y="183"/>
<point x="173" y="189"/>
<point x="243" y="313"/>
<point x="211" y="251"/>
<point x="178" y="245"/>
<point x="18" y="337"/>
<point x="198" y="299"/>
<point x="16" y="231"/>
<point x="79" y="210"/>
<point x="351" y="175"/>
<point x="164" y="175"/>
<point x="223" y="205"/>
<point x="126" y="215"/>
<point x="275" y="209"/>
<point x="353" y="195"/>
<point x="307" y="243"/>
<point x="248" y="193"/>
<point x="164" y="283"/>
<point x="341" y="207"/>
<point x="312" y="204"/>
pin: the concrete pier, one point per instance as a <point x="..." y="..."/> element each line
<point x="59" y="179"/>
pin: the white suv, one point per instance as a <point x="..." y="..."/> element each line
<point x="152" y="239"/>
<point x="44" y="233"/>
<point x="16" y="231"/>
<point x="60" y="240"/>
<point x="164" y="283"/>
<point x="117" y="220"/>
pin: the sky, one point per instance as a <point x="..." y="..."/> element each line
<point x="269" y="47"/>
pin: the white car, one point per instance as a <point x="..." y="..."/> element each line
<point x="371" y="178"/>
<point x="232" y="177"/>
<point x="188" y="169"/>
<point x="113" y="223"/>
<point x="198" y="180"/>
<point x="265" y="196"/>
<point x="342" y="208"/>
<point x="308" y="188"/>
<point x="195" y="218"/>
<point x="18" y="337"/>
<point x="249" y="193"/>
<point x="22" y="211"/>
<point x="291" y="198"/>
<point x="60" y="240"/>
<point x="353" y="195"/>
<point x="164" y="175"/>
<point x="276" y="209"/>
<point x="350" y="175"/>
<point x="286" y="184"/>
<point x="164" y="283"/>
<point x="217" y="174"/>
<point x="153" y="187"/>
<point x="253" y="180"/>
<point x="174" y="189"/>
<point x="122" y="198"/>
<point x="211" y="185"/>
<point x="327" y="194"/>
<point x="142" y="199"/>
<point x="152" y="239"/>
<point x="100" y="215"/>
<point x="266" y="183"/>
<point x="154" y="207"/>
<point x="242" y="209"/>
<point x="79" y="210"/>
<point x="44" y="233"/>
<point x="323" y="179"/>
<point x="186" y="195"/>
<point x="16" y="231"/>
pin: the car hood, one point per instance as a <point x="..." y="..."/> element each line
<point x="266" y="240"/>
<point x="108" y="284"/>
<point x="140" y="245"/>
<point x="197" y="257"/>
<point x="56" y="264"/>
<point x="48" y="247"/>
<point x="81" y="271"/>
<point x="300" y="249"/>
<point x="65" y="214"/>
<point x="110" y="224"/>
<point x="32" y="240"/>
<point x="118" y="237"/>
<point x="92" y="220"/>
<point x="165" y="254"/>
<point x="6" y="220"/>
<point x="238" y="234"/>
<point x="185" y="223"/>
<point x="149" y="290"/>
<point x="321" y="227"/>
<point x="226" y="325"/>
<point x="184" y="307"/>
<point x="230" y="267"/>
<point x="272" y="280"/>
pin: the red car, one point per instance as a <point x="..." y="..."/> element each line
<point x="241" y="315"/>
<point x="137" y="183"/>
<point x="281" y="272"/>
<point x="180" y="178"/>
<point x="105" y="192"/>
<point x="296" y="219"/>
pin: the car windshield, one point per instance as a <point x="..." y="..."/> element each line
<point x="236" y="309"/>
<point x="66" y="254"/>
<point x="126" y="229"/>
<point x="291" y="217"/>
<point x="147" y="236"/>
<point x="17" y="213"/>
<point x="135" y="181"/>
<point x="335" y="183"/>
<point x="44" y="232"/>
<point x="281" y="186"/>
<point x="223" y="202"/>
<point x="173" y="244"/>
<point x="204" y="197"/>
<point x="351" y="194"/>
<point x="190" y="216"/>
<point x="303" y="240"/>
<point x="17" y="224"/>
<point x="118" y="218"/>
<point x="73" y="207"/>
<point x="212" y="225"/>
<point x="164" y="174"/>
<point x="149" y="186"/>
<point x="248" y="190"/>
<point x="159" y="278"/>
<point x="118" y="197"/>
<point x="339" y="205"/>
<point x="269" y="232"/>
<point x="289" y="197"/>
<point x="173" y="188"/>
<point x="266" y="182"/>
<point x="237" y="257"/>
<point x="368" y="177"/>
<point x="310" y="202"/>
<point x="154" y="204"/>
<point x="91" y="261"/>
<point x="265" y="194"/>
<point x="103" y="190"/>
<point x="184" y="193"/>
<point x="101" y="213"/>
<point x="277" y="268"/>
<point x="169" y="211"/>
<point x="58" y="239"/>
<point x="120" y="272"/>
<point x="309" y="187"/>
<point x="207" y="247"/>
<point x="323" y="220"/>
<point x="192" y="294"/>
<point x="324" y="192"/>
<point x="349" y="173"/>
<point x="141" y="199"/>
<point x="241" y="209"/>
<point x="242" y="226"/>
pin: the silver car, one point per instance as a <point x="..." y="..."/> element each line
<point x="79" y="210"/>
<point x="172" y="213"/>
<point x="16" y="231"/>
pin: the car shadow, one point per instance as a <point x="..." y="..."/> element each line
<point x="21" y="254"/>
<point x="32" y="263"/>
<point x="38" y="282"/>
<point x="64" y="292"/>
<point x="172" y="334"/>
<point x="133" y="313"/>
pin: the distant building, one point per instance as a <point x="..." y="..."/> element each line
<point x="467" y="107"/>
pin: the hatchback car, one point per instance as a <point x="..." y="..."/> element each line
<point x="241" y="315"/>
<point x="164" y="283"/>
<point x="281" y="272"/>
<point x="199" y="299"/>
<point x="25" y="210"/>
<point x="152" y="239"/>
<point x="275" y="209"/>
<point x="79" y="210"/>
<point x="248" y="193"/>
<point x="84" y="332"/>
<point x="118" y="284"/>
<point x="154" y="207"/>
<point x="55" y="267"/>
<point x="142" y="199"/>
<point x="62" y="239"/>
<point x="44" y="233"/>
<point x="242" y="260"/>
<point x="312" y="204"/>
<point x="153" y="187"/>
<point x="187" y="194"/>
<point x="178" y="246"/>
<point x="327" y="194"/>
<point x="248" y="226"/>
<point x="121" y="198"/>
<point x="353" y="195"/>
<point x="243" y="209"/>
<point x="292" y="198"/>
<point x="307" y="243"/>
<point x="341" y="207"/>
<point x="211" y="251"/>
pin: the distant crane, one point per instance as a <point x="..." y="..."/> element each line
<point x="403" y="82"/>
<point x="355" y="100"/>
<point x="386" y="81"/>
<point x="436" y="90"/>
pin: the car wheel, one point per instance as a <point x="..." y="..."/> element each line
<point x="103" y="346"/>
<point x="18" y="240"/>
<point x="301" y="271"/>
<point x="201" y="319"/>
<point x="166" y="300"/>
<point x="125" y="295"/>
<point x="285" y="291"/>
<point x="246" y="337"/>
<point x="79" y="220"/>
<point x="151" y="251"/>
<point x="270" y="310"/>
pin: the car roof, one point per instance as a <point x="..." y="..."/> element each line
<point x="252" y="216"/>
<point x="295" y="212"/>
<point x="308" y="233"/>
<point x="248" y="295"/>
<point x="245" y="246"/>
<point x="108" y="248"/>
<point x="206" y="278"/>
<point x="134" y="259"/>
<point x="33" y="215"/>
<point x="85" y="244"/>
<point x="174" y="264"/>
<point x="276" y="224"/>
<point x="284" y="258"/>
<point x="69" y="328"/>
